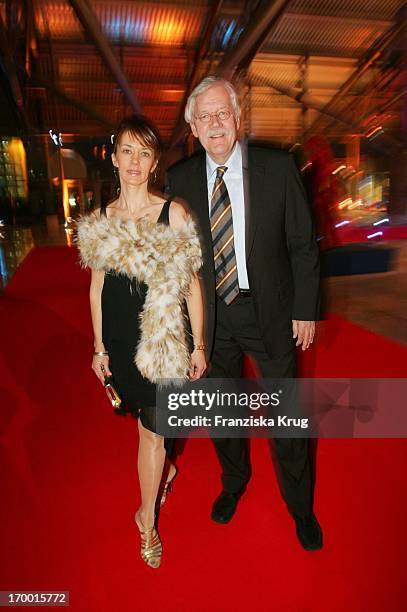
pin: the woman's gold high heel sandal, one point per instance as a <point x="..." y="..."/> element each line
<point x="151" y="549"/>
<point x="167" y="489"/>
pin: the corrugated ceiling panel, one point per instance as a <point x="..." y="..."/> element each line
<point x="371" y="9"/>
<point x="285" y="70"/>
<point x="151" y="66"/>
<point x="158" y="95"/>
<point x="110" y="94"/>
<point x="133" y="22"/>
<point x="261" y="97"/>
<point x="127" y="22"/>
<point x="283" y="124"/>
<point x="59" y="18"/>
<point x="88" y="67"/>
<point x="295" y="33"/>
<point x="101" y="95"/>
<point x="328" y="73"/>
<point x="139" y="65"/>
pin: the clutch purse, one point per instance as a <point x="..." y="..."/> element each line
<point x="112" y="395"/>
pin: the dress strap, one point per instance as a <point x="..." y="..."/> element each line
<point x="165" y="213"/>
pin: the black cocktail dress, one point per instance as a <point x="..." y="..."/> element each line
<point x="122" y="303"/>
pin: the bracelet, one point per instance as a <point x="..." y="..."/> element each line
<point x="99" y="354"/>
<point x="199" y="347"/>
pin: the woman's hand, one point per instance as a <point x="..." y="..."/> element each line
<point x="100" y="365"/>
<point x="197" y="364"/>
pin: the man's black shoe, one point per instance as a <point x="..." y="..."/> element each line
<point x="309" y="532"/>
<point x="224" y="507"/>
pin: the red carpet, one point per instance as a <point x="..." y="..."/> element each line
<point x="347" y="233"/>
<point x="69" y="482"/>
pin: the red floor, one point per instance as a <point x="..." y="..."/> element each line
<point x="69" y="482"/>
<point x="348" y="233"/>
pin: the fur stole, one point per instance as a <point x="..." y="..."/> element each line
<point x="165" y="260"/>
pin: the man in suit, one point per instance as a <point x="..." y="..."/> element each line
<point x="260" y="277"/>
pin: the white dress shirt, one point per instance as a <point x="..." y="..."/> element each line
<point x="233" y="178"/>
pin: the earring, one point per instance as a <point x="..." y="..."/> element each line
<point x="117" y="180"/>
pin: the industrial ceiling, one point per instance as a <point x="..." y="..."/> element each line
<point x="303" y="66"/>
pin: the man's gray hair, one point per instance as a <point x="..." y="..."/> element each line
<point x="205" y="84"/>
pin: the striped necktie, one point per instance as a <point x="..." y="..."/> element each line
<point x="227" y="284"/>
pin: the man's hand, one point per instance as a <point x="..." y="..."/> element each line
<point x="304" y="331"/>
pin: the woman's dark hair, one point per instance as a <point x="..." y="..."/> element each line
<point x="141" y="128"/>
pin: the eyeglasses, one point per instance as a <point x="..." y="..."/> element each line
<point x="222" y="115"/>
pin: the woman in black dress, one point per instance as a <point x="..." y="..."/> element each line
<point x="118" y="301"/>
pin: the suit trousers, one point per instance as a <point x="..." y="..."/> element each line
<point x="236" y="334"/>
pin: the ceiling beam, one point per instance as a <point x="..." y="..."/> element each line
<point x="84" y="48"/>
<point x="200" y="53"/>
<point x="306" y="99"/>
<point x="251" y="39"/>
<point x="10" y="71"/>
<point x="92" y="27"/>
<point x="365" y="63"/>
<point x="302" y="98"/>
<point x="398" y="96"/>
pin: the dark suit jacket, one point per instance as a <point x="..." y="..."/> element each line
<point x="282" y="256"/>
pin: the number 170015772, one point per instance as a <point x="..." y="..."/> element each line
<point x="34" y="598"/>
